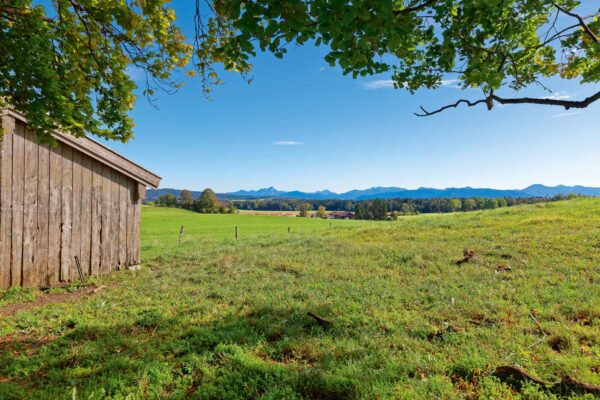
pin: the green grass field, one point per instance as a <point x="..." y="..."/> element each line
<point x="212" y="318"/>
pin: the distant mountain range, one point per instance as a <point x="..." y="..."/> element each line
<point x="391" y="192"/>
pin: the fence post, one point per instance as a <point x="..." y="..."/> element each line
<point x="181" y="234"/>
<point x="236" y="232"/>
<point x="289" y="229"/>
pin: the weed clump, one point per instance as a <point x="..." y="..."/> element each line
<point x="149" y="319"/>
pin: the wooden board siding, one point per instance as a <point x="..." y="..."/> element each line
<point x="66" y="213"/>
<point x="106" y="217"/>
<point x="17" y="202"/>
<point x="123" y="223"/>
<point x="56" y="203"/>
<point x="30" y="208"/>
<point x="96" y="218"/>
<point x="8" y="125"/>
<point x="41" y="256"/>
<point x="76" y="219"/>
<point x="86" y="214"/>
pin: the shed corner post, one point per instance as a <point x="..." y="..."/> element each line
<point x="7" y="129"/>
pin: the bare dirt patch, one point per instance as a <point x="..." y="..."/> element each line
<point x="47" y="299"/>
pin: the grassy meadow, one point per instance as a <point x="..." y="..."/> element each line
<point x="212" y="318"/>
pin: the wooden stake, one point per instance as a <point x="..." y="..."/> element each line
<point x="78" y="264"/>
<point x="289" y="229"/>
<point x="181" y="234"/>
<point x="236" y="233"/>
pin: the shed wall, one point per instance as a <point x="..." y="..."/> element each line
<point x="57" y="203"/>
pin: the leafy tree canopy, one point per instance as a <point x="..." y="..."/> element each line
<point x="69" y="69"/>
<point x="485" y="44"/>
<point x="208" y="202"/>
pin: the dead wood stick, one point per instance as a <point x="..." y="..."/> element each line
<point x="581" y="387"/>
<point x="571" y="384"/>
<point x="518" y="374"/>
<point x="538" y="324"/>
<point x="78" y="264"/>
<point x="320" y="320"/>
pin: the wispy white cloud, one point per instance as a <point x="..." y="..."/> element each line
<point x="566" y="114"/>
<point x="451" y="83"/>
<point x="389" y="84"/>
<point x="560" y="96"/>
<point x="379" y="84"/>
<point x="287" y="143"/>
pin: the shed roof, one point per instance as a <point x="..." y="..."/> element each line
<point x="104" y="155"/>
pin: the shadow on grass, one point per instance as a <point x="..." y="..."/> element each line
<point x="264" y="353"/>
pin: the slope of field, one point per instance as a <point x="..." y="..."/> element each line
<point x="212" y="318"/>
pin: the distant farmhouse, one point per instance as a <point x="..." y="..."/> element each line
<point x="74" y="202"/>
<point x="341" y="215"/>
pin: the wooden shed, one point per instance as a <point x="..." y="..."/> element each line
<point x="78" y="199"/>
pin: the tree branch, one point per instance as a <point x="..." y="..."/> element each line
<point x="416" y="8"/>
<point x="439" y="110"/>
<point x="17" y="12"/>
<point x="567" y="104"/>
<point x="579" y="18"/>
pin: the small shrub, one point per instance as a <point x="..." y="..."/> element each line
<point x="149" y="319"/>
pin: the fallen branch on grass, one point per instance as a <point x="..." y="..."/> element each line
<point x="566" y="385"/>
<point x="467" y="257"/>
<point x="320" y="320"/>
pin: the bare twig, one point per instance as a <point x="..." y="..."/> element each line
<point x="538" y="324"/>
<point x="581" y="20"/>
<point x="567" y="104"/>
<point x="439" y="110"/>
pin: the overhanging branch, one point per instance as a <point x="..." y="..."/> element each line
<point x="454" y="105"/>
<point x="581" y="20"/>
<point x="418" y="7"/>
<point x="567" y="104"/>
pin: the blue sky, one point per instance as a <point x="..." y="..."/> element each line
<point x="303" y="125"/>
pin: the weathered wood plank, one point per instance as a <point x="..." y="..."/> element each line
<point x="76" y="218"/>
<point x="141" y="191"/>
<point x="6" y="146"/>
<point x="86" y="212"/>
<point x="55" y="215"/>
<point x="67" y="214"/>
<point x="123" y="202"/>
<point x="43" y="193"/>
<point x="18" y="186"/>
<point x="30" y="209"/>
<point x="106" y="217"/>
<point x="96" y="220"/>
<point x="114" y="225"/>
<point x="131" y="185"/>
<point x="136" y="229"/>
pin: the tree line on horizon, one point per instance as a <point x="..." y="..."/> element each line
<point x="207" y="203"/>
<point x="378" y="209"/>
